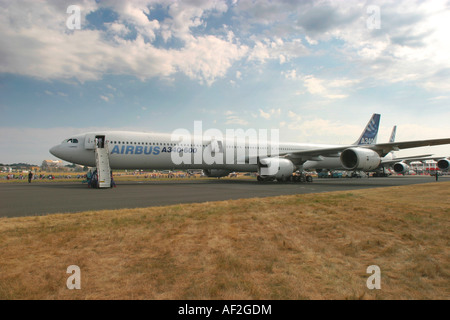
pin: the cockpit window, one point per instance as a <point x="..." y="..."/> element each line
<point x="70" y="141"/>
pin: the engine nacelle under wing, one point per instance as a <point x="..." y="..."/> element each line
<point x="401" y="167"/>
<point x="443" y="164"/>
<point x="276" y="168"/>
<point x="216" y="173"/>
<point x="360" y="159"/>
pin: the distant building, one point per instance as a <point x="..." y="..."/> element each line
<point x="52" y="164"/>
<point x="77" y="168"/>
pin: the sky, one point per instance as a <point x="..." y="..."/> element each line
<point x="314" y="70"/>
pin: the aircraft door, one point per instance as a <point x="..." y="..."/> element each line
<point x="216" y="146"/>
<point x="100" y="141"/>
<point x="89" y="141"/>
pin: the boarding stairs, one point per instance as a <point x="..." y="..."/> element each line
<point x="103" y="168"/>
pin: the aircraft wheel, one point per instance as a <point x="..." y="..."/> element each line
<point x="283" y="179"/>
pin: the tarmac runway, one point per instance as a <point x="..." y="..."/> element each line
<point x="23" y="199"/>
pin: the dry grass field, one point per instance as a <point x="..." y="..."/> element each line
<point x="312" y="246"/>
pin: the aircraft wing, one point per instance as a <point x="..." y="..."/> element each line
<point x="317" y="154"/>
<point x="417" y="157"/>
<point x="302" y="156"/>
<point x="381" y="148"/>
<point x="410" y="159"/>
<point x="385" y="148"/>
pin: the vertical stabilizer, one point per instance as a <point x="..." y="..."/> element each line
<point x="392" y="138"/>
<point x="370" y="133"/>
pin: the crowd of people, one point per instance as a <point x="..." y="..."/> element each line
<point x="15" y="176"/>
<point x="83" y="176"/>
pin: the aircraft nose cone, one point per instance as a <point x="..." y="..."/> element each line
<point x="54" y="151"/>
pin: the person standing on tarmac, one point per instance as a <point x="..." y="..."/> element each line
<point x="30" y="176"/>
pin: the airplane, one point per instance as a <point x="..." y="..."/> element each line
<point x="367" y="137"/>
<point x="218" y="157"/>
<point x="444" y="163"/>
<point x="401" y="165"/>
<point x="393" y="133"/>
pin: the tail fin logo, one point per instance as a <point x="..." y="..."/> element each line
<point x="394" y="130"/>
<point x="369" y="136"/>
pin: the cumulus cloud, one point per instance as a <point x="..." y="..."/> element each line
<point x="410" y="46"/>
<point x="277" y="49"/>
<point x="233" y="118"/>
<point x="264" y="115"/>
<point x="294" y="116"/>
<point x="36" y="42"/>
<point x="326" y="88"/>
<point x="236" y="120"/>
<point x="270" y="113"/>
<point x="207" y="58"/>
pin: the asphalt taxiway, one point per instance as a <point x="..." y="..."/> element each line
<point x="23" y="199"/>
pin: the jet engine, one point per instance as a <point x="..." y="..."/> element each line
<point x="276" y="168"/>
<point x="443" y="164"/>
<point x="401" y="167"/>
<point x="216" y="173"/>
<point x="360" y="159"/>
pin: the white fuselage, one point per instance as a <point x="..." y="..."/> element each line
<point x="135" y="150"/>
